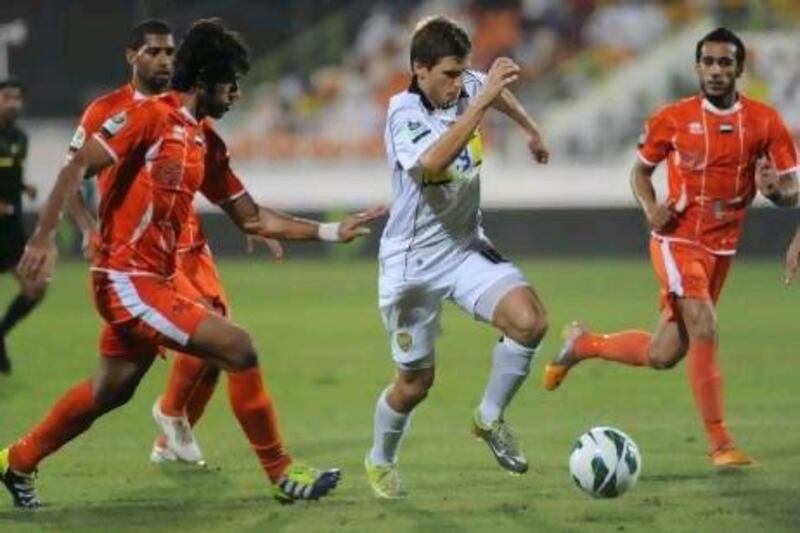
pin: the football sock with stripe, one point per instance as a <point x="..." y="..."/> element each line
<point x="511" y="364"/>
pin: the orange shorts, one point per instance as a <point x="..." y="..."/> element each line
<point x="143" y="314"/>
<point x="196" y="278"/>
<point x="686" y="270"/>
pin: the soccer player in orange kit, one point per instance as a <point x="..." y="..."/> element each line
<point x="163" y="152"/>
<point x="150" y="53"/>
<point x="713" y="143"/>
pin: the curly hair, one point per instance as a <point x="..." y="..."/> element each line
<point x="209" y="54"/>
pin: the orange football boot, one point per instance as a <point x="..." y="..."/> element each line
<point x="556" y="371"/>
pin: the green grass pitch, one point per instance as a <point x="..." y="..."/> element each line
<point x="325" y="357"/>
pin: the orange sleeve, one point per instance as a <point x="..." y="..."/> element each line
<point x="781" y="148"/>
<point x="656" y="142"/>
<point x="92" y="118"/>
<point x="220" y="182"/>
<point x="133" y="128"/>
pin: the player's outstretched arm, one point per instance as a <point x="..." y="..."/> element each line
<point x="272" y="224"/>
<point x="39" y="258"/>
<point x="658" y="215"/>
<point x="793" y="258"/>
<point x="508" y="104"/>
<point x="442" y="152"/>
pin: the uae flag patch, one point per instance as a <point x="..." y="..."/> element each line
<point x="726" y="128"/>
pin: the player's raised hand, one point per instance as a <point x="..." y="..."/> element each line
<point x="538" y="149"/>
<point x="274" y="246"/>
<point x="659" y="216"/>
<point x="503" y="72"/>
<point x="356" y="225"/>
<point x="38" y="260"/>
<point x="792" y="258"/>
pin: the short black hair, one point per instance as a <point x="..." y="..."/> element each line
<point x="437" y="37"/>
<point x="13" y="83"/>
<point x="722" y="35"/>
<point x="147" y="27"/>
<point x="209" y="54"/>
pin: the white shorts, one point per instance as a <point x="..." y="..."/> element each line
<point x="411" y="308"/>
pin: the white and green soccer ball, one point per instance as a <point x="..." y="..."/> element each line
<point x="605" y="462"/>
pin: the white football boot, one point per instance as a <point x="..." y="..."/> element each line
<point x="181" y="444"/>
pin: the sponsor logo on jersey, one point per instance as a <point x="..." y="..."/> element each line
<point x="695" y="128"/>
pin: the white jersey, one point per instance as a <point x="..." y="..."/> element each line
<point x="431" y="223"/>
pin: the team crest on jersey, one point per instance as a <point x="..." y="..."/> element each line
<point x="726" y="128"/>
<point x="695" y="128"/>
<point x="78" y="139"/>
<point x="404" y="340"/>
<point x="414" y="125"/>
<point x="112" y="126"/>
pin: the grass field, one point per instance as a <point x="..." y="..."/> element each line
<point x="326" y="358"/>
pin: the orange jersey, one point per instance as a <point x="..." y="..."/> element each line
<point x="711" y="163"/>
<point x="163" y="156"/>
<point x="93" y="117"/>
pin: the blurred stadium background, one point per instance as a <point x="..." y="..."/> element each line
<point x="308" y="135"/>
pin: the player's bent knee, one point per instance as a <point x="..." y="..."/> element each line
<point x="529" y="326"/>
<point x="413" y="387"/>
<point x="112" y="397"/>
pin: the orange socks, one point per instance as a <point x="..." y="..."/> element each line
<point x="184" y="376"/>
<point x="706" y="380"/>
<point x="201" y="395"/>
<point x="71" y="415"/>
<point x="253" y="408"/>
<point x="627" y="347"/>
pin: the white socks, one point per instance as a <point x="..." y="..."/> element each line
<point x="388" y="431"/>
<point x="511" y="363"/>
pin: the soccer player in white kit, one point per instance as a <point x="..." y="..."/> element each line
<point x="433" y="247"/>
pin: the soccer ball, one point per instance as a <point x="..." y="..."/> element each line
<point x="605" y="462"/>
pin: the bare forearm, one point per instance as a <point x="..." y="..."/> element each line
<point x="80" y="212"/>
<point x="509" y="105"/>
<point x="642" y="186"/>
<point x="271" y="223"/>
<point x="66" y="185"/>
<point x="287" y="227"/>
<point x="442" y="152"/>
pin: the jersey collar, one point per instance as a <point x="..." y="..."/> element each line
<point x="413" y="88"/>
<point x="708" y="106"/>
<point x="173" y="99"/>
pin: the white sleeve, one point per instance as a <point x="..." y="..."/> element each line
<point x="411" y="135"/>
<point x="473" y="83"/>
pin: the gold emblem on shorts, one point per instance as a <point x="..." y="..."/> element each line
<point x="404" y="340"/>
